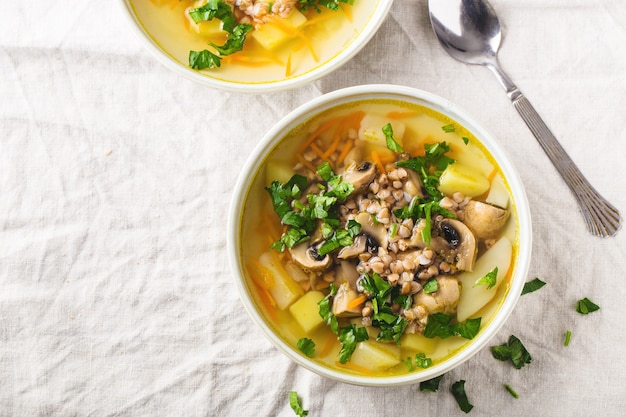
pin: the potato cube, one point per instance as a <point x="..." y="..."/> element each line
<point x="376" y="356"/>
<point x="306" y="310"/>
<point x="418" y="342"/>
<point x="457" y="177"/>
<point x="285" y="290"/>
<point x="273" y="34"/>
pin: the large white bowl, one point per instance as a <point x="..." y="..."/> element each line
<point x="363" y="34"/>
<point x="405" y="94"/>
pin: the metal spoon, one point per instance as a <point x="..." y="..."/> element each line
<point x="469" y="31"/>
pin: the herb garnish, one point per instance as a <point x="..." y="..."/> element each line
<point x="490" y="279"/>
<point x="392" y="144"/>
<point x="326" y="311"/>
<point x="431" y="385"/>
<point x="431" y="286"/>
<point x="568" y="336"/>
<point x="382" y="295"/>
<point x="307" y="346"/>
<point x="450" y="128"/>
<point x="294" y="402"/>
<point x="458" y="391"/>
<point x="329" y="4"/>
<point x="420" y="361"/>
<point x="511" y="391"/>
<point x="218" y="9"/>
<point x="533" y="285"/>
<point x="302" y="218"/>
<point x="513" y="350"/>
<point x="586" y="306"/>
<point x="439" y="325"/>
<point x="349" y="336"/>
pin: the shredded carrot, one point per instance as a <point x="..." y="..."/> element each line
<point x="328" y="345"/>
<point x="294" y="33"/>
<point x="333" y="146"/>
<point x="357" y="302"/>
<point x="378" y="162"/>
<point x="260" y="275"/>
<point x="354" y="367"/>
<point x="306" y="163"/>
<point x="268" y="301"/>
<point x="317" y="132"/>
<point x="344" y="152"/>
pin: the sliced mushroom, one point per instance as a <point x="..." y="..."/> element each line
<point x="444" y="300"/>
<point x="360" y="175"/>
<point x="341" y="302"/>
<point x="346" y="272"/>
<point x="437" y="243"/>
<point x="307" y="257"/>
<point x="358" y="246"/>
<point x="415" y="189"/>
<point x="485" y="220"/>
<point x="377" y="233"/>
<point x="462" y="240"/>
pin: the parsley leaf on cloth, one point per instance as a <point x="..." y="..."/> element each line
<point x="513" y="350"/>
<point x="458" y="391"/>
<point x="533" y="285"/>
<point x="294" y="402"/>
<point x="586" y="306"/>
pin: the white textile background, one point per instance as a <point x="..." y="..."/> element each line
<point x="116" y="297"/>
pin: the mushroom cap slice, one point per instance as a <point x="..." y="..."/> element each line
<point x="359" y="245"/>
<point x="485" y="220"/>
<point x="360" y="175"/>
<point x="307" y="257"/>
<point x="341" y="301"/>
<point x="444" y="300"/>
<point x="460" y="238"/>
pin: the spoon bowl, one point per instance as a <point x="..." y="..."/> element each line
<point x="469" y="30"/>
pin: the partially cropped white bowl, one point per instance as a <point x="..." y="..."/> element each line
<point x="158" y="42"/>
<point x="331" y="100"/>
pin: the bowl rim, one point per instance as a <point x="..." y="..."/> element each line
<point x="379" y="15"/>
<point x="395" y="92"/>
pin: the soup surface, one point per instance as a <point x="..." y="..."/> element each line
<point x="379" y="237"/>
<point x="279" y="45"/>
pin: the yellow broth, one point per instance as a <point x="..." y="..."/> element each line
<point x="319" y="40"/>
<point x="261" y="226"/>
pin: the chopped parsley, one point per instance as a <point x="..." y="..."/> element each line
<point x="326" y="311"/>
<point x="392" y="144"/>
<point x="431" y="286"/>
<point x="329" y="4"/>
<point x="431" y="385"/>
<point x="490" y="279"/>
<point x="307" y="346"/>
<point x="514" y="350"/>
<point x="458" y="391"/>
<point x="218" y="9"/>
<point x="511" y="391"/>
<point x="449" y="128"/>
<point x="349" y="336"/>
<point x="420" y="361"/>
<point x="303" y="218"/>
<point x="382" y="295"/>
<point x="440" y="325"/>
<point x="568" y="336"/>
<point x="586" y="306"/>
<point x="295" y="404"/>
<point x="533" y="285"/>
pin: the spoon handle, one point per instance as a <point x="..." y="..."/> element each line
<point x="601" y="217"/>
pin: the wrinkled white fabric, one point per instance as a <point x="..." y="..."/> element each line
<point x="116" y="296"/>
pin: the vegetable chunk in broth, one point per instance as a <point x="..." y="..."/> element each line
<point x="253" y="41"/>
<point x="379" y="237"/>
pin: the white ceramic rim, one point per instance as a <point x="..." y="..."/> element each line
<point x="370" y="29"/>
<point x="394" y="92"/>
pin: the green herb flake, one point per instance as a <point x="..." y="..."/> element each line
<point x="325" y="310"/>
<point x="568" y="336"/>
<point x="514" y="350"/>
<point x="307" y="346"/>
<point x="295" y="404"/>
<point x="431" y="385"/>
<point x="586" y="306"/>
<point x="465" y="140"/>
<point x="392" y="144"/>
<point x="440" y="325"/>
<point x="349" y="336"/>
<point x="490" y="279"/>
<point x="431" y="286"/>
<point x="450" y="128"/>
<point x="511" y="391"/>
<point x="458" y="391"/>
<point x="533" y="285"/>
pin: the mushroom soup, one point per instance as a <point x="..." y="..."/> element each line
<point x="281" y="39"/>
<point x="379" y="238"/>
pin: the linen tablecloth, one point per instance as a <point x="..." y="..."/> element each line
<point x="116" y="295"/>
